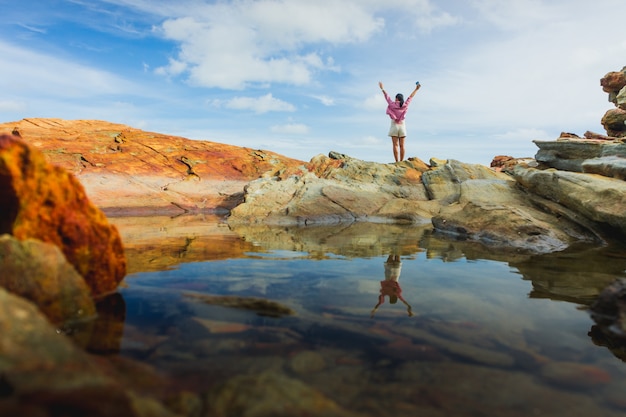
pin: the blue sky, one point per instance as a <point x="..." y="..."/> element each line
<point x="300" y="77"/>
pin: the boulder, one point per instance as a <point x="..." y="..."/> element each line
<point x="39" y="272"/>
<point x="614" y="122"/>
<point x="613" y="81"/>
<point x="45" y="202"/>
<point x="271" y="395"/>
<point x="43" y="373"/>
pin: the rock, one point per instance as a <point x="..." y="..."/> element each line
<point x="271" y="395"/>
<point x="613" y="81"/>
<point x="43" y="373"/>
<point x="614" y="122"/>
<point x="571" y="155"/>
<point x="592" y="135"/>
<point x="443" y="182"/>
<point x="500" y="161"/>
<point x="307" y="362"/>
<point x="599" y="199"/>
<point x="129" y="171"/>
<point x="468" y="201"/>
<point x="42" y="370"/>
<point x="499" y="214"/>
<point x="609" y="310"/>
<point x="40" y="273"/>
<point x="45" y="202"/>
<point x="620" y="99"/>
<point x="574" y="375"/>
<point x="338" y="191"/>
<point x="608" y="166"/>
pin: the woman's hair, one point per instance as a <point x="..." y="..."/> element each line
<point x="401" y="98"/>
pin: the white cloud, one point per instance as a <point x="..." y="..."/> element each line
<point x="234" y="44"/>
<point x="375" y="102"/>
<point x="33" y="72"/>
<point x="325" y="100"/>
<point x="291" y="129"/>
<point x="263" y="104"/>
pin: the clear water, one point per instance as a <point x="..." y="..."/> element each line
<point x="491" y="332"/>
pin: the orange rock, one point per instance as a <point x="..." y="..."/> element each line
<point x="45" y="202"/>
<point x="126" y="170"/>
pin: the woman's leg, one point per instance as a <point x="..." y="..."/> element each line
<point x="394" y="143"/>
<point x="401" y="142"/>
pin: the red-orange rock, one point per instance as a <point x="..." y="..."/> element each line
<point x="130" y="171"/>
<point x="613" y="81"/>
<point x="45" y="202"/>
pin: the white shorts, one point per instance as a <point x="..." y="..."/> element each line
<point x="397" y="129"/>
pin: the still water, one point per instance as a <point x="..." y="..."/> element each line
<point x="381" y="320"/>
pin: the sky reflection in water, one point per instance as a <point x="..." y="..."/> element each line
<point x="488" y="329"/>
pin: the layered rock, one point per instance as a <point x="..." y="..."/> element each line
<point x="464" y="200"/>
<point x="130" y="171"/>
<point x="45" y="202"/>
<point x="338" y="189"/>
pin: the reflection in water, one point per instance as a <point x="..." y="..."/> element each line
<point x="390" y="286"/>
<point x="102" y="334"/>
<point x="488" y="339"/>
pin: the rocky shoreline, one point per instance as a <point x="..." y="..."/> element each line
<point x="62" y="259"/>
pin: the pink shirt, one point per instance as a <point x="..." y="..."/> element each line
<point x="394" y="110"/>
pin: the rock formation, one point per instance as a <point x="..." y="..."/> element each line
<point x="130" y="171"/>
<point x="614" y="83"/>
<point x="58" y="250"/>
<point x="45" y="202"/>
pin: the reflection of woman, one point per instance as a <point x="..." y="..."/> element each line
<point x="390" y="286"/>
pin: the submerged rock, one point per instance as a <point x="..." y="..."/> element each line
<point x="271" y="395"/>
<point x="261" y="306"/>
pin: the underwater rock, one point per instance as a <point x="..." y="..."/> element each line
<point x="261" y="306"/>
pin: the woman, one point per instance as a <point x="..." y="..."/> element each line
<point x="397" y="111"/>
